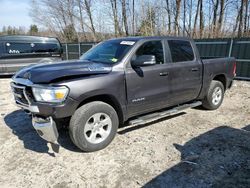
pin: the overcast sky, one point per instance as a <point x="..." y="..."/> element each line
<point x="14" y="13"/>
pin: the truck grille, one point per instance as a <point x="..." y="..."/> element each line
<point x="20" y="94"/>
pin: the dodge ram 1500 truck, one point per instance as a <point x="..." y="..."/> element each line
<point x="134" y="80"/>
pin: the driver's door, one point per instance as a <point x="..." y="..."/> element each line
<point x="147" y="85"/>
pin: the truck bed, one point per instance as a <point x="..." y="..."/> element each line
<point x="223" y="67"/>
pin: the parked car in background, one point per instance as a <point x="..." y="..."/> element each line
<point x="18" y="51"/>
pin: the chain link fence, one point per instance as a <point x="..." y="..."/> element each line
<point x="75" y="50"/>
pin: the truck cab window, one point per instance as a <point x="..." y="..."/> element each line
<point x="152" y="48"/>
<point x="18" y="48"/>
<point x="181" y="50"/>
<point x="45" y="47"/>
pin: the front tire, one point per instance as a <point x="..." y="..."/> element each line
<point x="93" y="126"/>
<point x="214" y="96"/>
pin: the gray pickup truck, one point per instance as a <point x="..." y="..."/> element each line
<point x="132" y="80"/>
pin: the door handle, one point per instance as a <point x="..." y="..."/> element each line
<point x="164" y="74"/>
<point x="194" y="69"/>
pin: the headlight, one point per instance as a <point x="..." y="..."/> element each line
<point x="50" y="94"/>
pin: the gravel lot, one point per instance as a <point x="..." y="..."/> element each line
<point x="196" y="148"/>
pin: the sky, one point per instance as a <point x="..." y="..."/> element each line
<point x="15" y="13"/>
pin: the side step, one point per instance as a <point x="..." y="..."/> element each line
<point x="161" y="114"/>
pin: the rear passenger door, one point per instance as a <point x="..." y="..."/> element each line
<point x="185" y="72"/>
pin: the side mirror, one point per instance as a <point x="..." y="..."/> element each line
<point x="144" y="60"/>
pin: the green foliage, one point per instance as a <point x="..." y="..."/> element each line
<point x="33" y="29"/>
<point x="12" y="30"/>
<point x="70" y="34"/>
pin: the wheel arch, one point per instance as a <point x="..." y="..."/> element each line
<point x="221" y="78"/>
<point x="109" y="99"/>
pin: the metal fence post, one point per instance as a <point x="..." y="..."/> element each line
<point x="67" y="53"/>
<point x="230" y="48"/>
<point x="79" y="46"/>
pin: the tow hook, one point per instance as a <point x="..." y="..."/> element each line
<point x="46" y="128"/>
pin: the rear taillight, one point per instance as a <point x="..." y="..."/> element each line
<point x="234" y="69"/>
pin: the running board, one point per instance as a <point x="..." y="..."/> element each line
<point x="161" y="114"/>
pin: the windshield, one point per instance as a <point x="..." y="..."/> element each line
<point x="109" y="51"/>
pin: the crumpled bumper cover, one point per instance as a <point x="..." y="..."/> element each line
<point x="46" y="128"/>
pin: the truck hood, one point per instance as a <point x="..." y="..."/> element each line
<point x="49" y="72"/>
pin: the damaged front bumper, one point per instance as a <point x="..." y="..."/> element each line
<point x="43" y="114"/>
<point x="46" y="128"/>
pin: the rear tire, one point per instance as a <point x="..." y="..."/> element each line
<point x="93" y="126"/>
<point x="214" y="96"/>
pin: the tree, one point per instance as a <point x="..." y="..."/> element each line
<point x="190" y="16"/>
<point x="115" y="17"/>
<point x="133" y="17"/>
<point x="87" y="4"/>
<point x="240" y="19"/>
<point x="201" y="19"/>
<point x="81" y="19"/>
<point x="169" y="16"/>
<point x="184" y="17"/>
<point x="70" y="33"/>
<point x="196" y="18"/>
<point x="215" y="9"/>
<point x="147" y="26"/>
<point x="177" y="15"/>
<point x="221" y="16"/>
<point x="56" y="15"/>
<point x="246" y="16"/>
<point x="94" y="20"/>
<point x="124" y="17"/>
<point x="4" y="30"/>
<point x="10" y="30"/>
<point x="33" y="29"/>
